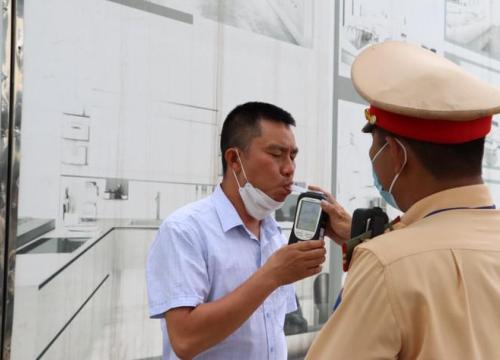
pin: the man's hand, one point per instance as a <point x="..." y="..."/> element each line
<point x="193" y="330"/>
<point x="338" y="227"/>
<point x="295" y="262"/>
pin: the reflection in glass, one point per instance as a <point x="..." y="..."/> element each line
<point x="122" y="108"/>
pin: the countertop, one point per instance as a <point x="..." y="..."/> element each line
<point x="35" y="269"/>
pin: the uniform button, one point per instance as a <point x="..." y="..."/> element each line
<point x="272" y="349"/>
<point x="267" y="315"/>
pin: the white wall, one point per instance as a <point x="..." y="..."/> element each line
<point x="354" y="180"/>
<point x="495" y="12"/>
<point x="128" y="70"/>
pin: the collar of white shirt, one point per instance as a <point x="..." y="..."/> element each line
<point x="228" y="216"/>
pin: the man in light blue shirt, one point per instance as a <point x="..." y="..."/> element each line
<point x="218" y="274"/>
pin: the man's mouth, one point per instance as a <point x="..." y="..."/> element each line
<point x="288" y="188"/>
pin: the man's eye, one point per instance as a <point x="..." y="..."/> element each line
<point x="276" y="155"/>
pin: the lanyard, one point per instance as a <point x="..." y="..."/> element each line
<point x="339" y="300"/>
<point x="461" y="208"/>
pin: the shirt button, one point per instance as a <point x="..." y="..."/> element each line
<point x="267" y="315"/>
<point x="272" y="349"/>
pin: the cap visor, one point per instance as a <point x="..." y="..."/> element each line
<point x="368" y="128"/>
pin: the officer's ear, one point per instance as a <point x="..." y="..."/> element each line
<point x="397" y="154"/>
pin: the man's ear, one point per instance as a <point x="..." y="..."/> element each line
<point x="232" y="161"/>
<point x="397" y="154"/>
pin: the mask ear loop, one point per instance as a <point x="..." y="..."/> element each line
<point x="242" y="168"/>
<point x="379" y="151"/>
<point x="402" y="167"/>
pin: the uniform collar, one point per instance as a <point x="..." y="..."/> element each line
<point x="472" y="196"/>
<point x="228" y="216"/>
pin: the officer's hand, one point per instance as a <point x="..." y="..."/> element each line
<point x="338" y="227"/>
<point x="295" y="262"/>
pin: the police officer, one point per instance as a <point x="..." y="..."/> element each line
<point x="430" y="289"/>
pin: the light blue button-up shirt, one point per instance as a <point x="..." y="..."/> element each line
<point x="202" y="252"/>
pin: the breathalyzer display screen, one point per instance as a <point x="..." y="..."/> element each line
<point x="308" y="216"/>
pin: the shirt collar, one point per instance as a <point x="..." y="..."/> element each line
<point x="472" y="196"/>
<point x="228" y="216"/>
<point x="271" y="224"/>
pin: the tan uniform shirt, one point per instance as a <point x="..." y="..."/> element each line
<point x="430" y="290"/>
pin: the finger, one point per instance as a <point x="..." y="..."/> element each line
<point x="312" y="254"/>
<point x="317" y="188"/>
<point x="309" y="245"/>
<point x="334" y="209"/>
<point x="314" y="262"/>
<point x="314" y="270"/>
<point x="329" y="208"/>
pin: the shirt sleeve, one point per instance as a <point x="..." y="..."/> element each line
<point x="176" y="270"/>
<point x="364" y="325"/>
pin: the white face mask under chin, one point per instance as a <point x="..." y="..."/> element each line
<point x="257" y="203"/>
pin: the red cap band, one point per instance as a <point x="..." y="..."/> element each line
<point x="435" y="131"/>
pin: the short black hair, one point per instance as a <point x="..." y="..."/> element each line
<point x="242" y="124"/>
<point x="446" y="161"/>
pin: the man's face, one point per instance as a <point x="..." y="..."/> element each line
<point x="269" y="161"/>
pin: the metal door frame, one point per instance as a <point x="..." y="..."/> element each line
<point x="11" y="78"/>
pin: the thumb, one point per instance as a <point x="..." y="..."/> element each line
<point x="327" y="206"/>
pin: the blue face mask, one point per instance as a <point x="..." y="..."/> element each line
<point x="387" y="195"/>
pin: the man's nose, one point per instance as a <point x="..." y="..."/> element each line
<point x="288" y="168"/>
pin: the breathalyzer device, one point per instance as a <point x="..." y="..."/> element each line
<point x="310" y="220"/>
